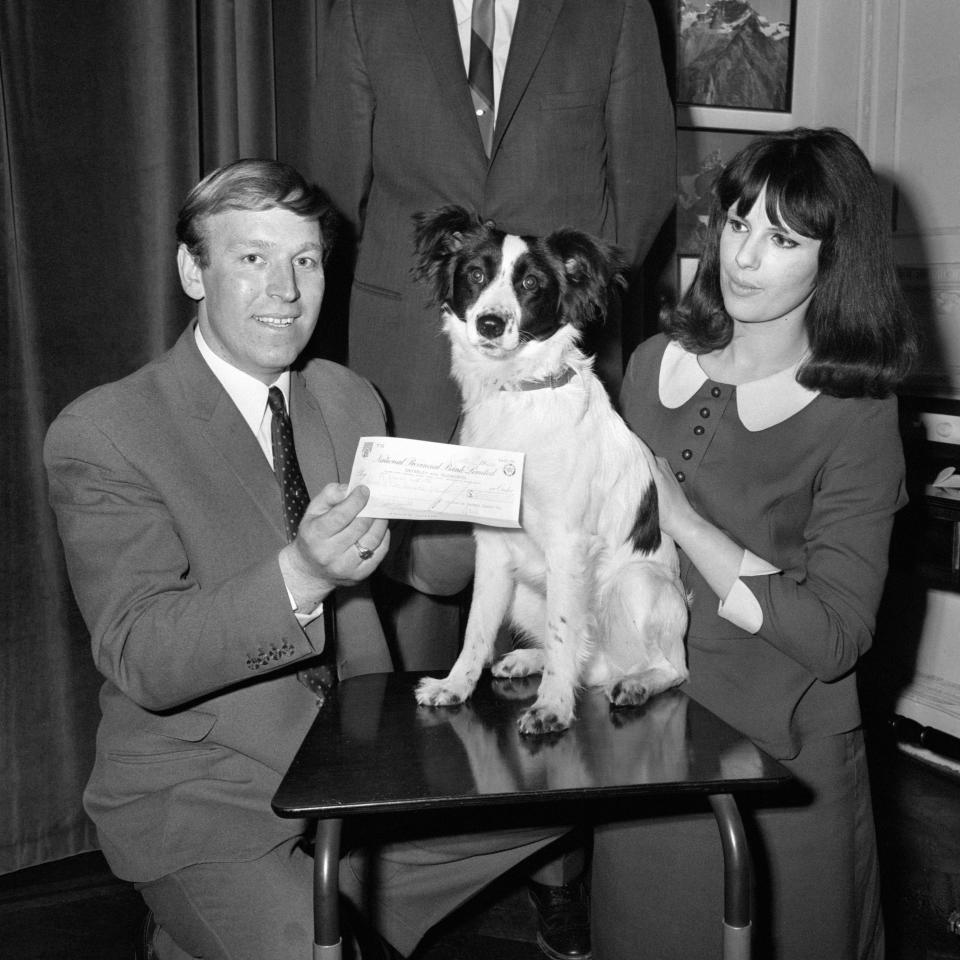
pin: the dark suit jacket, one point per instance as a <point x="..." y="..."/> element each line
<point x="584" y="138"/>
<point x="170" y="519"/>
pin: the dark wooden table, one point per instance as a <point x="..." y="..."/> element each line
<point x="372" y="749"/>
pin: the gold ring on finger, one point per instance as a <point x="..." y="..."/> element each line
<point x="365" y="552"/>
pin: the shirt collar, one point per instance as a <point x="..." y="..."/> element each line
<point x="760" y="403"/>
<point x="248" y="394"/>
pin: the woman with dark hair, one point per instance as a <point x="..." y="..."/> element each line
<point x="768" y="401"/>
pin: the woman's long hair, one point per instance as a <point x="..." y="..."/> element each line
<point x="819" y="184"/>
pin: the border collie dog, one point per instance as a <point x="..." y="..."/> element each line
<point x="589" y="581"/>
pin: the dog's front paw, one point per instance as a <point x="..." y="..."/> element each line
<point x="543" y="719"/>
<point x="628" y="692"/>
<point x="442" y="692"/>
<point x="515" y="688"/>
<point x="522" y="662"/>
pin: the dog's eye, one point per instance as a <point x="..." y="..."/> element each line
<point x="476" y="275"/>
<point x="530" y="282"/>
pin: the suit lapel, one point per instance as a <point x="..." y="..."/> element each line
<point x="315" y="449"/>
<point x="535" y="22"/>
<point x="437" y="27"/>
<point x="225" y="431"/>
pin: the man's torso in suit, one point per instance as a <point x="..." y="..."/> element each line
<point x="584" y="139"/>
<point x="171" y="521"/>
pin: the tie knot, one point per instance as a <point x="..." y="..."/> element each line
<point x="275" y="401"/>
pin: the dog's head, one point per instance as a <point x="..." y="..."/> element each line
<point x="510" y="290"/>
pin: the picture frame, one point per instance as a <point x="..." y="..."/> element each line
<point x="701" y="155"/>
<point x="736" y="56"/>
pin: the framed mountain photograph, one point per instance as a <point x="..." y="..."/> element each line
<point x="701" y="155"/>
<point x="736" y="55"/>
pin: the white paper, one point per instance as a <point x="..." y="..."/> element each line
<point x="419" y="480"/>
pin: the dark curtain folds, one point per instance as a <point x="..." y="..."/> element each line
<point x="110" y="110"/>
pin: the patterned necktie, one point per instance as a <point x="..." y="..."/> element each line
<point x="294" y="497"/>
<point x="480" y="73"/>
<point x="293" y="490"/>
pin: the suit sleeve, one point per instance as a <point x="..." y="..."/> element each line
<point x="823" y="615"/>
<point x="641" y="135"/>
<point x="344" y="115"/>
<point x="432" y="557"/>
<point x="159" y="631"/>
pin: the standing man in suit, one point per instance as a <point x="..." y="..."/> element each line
<point x="208" y="599"/>
<point x="583" y="136"/>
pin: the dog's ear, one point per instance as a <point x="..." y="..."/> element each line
<point x="437" y="236"/>
<point x="590" y="267"/>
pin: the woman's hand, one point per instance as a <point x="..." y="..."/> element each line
<point x="711" y="551"/>
<point x="676" y="514"/>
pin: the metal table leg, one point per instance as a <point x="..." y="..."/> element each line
<point x="327" y="944"/>
<point x="736" y="878"/>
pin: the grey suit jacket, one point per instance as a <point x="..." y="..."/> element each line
<point x="584" y="138"/>
<point x="170" y="519"/>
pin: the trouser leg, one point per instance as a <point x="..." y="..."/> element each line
<point x="247" y="910"/>
<point x="406" y="888"/>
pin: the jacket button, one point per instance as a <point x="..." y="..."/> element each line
<point x="715" y="392"/>
<point x="699" y="429"/>
<point x="705" y="412"/>
<point x="687" y="454"/>
<point x="680" y="475"/>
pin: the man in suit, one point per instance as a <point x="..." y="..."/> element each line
<point x="583" y="137"/>
<point x="206" y="599"/>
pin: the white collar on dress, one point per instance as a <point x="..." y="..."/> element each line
<point x="760" y="403"/>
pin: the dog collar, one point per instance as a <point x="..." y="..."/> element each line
<point x="550" y="383"/>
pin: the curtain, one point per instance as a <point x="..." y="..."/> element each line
<point x="110" y="111"/>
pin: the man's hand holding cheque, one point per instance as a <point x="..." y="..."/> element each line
<point x="335" y="546"/>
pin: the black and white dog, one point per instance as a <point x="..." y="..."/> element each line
<point x="589" y="580"/>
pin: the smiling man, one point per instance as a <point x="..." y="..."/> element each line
<point x="204" y="590"/>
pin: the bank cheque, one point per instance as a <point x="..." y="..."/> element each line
<point x="420" y="480"/>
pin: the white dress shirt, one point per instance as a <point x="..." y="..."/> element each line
<point x="248" y="394"/>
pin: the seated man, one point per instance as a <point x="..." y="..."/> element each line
<point x="206" y="573"/>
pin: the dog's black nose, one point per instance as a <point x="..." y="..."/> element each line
<point x="491" y="326"/>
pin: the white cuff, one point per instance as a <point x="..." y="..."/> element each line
<point x="304" y="618"/>
<point x="740" y="607"/>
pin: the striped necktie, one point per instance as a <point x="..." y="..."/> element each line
<point x="480" y="73"/>
<point x="294" y="499"/>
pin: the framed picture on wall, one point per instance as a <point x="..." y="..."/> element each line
<point x="736" y="55"/>
<point x="701" y="155"/>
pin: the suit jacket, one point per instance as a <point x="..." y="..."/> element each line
<point x="584" y="138"/>
<point x="171" y="522"/>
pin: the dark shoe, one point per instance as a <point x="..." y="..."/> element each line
<point x="362" y="942"/>
<point x="376" y="948"/>
<point x="144" y="948"/>
<point x="563" y="920"/>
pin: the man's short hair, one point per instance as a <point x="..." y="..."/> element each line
<point x="252" y="184"/>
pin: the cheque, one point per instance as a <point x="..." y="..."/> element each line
<point x="420" y="480"/>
